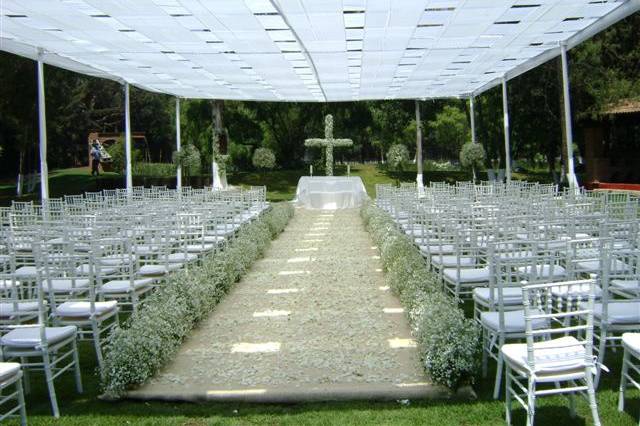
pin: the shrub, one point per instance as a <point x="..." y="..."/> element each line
<point x="448" y="342"/>
<point x="397" y="156"/>
<point x="263" y="159"/>
<point x="188" y="158"/>
<point x="118" y="157"/>
<point x="472" y="156"/>
<point x="154" y="169"/>
<point x="154" y="333"/>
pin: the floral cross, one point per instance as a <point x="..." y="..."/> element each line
<point x="328" y="143"/>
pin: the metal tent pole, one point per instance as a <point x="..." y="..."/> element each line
<point x="507" y="147"/>
<point x="419" y="147"/>
<point x="571" y="174"/>
<point x="127" y="138"/>
<point x="178" y="146"/>
<point x="42" y="132"/>
<point x="472" y="116"/>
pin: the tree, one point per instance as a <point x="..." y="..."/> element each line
<point x="188" y="159"/>
<point x="450" y="129"/>
<point x="263" y="159"/>
<point x="472" y="155"/>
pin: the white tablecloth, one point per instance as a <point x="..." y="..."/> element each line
<point x="330" y="192"/>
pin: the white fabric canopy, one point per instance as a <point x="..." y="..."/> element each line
<point x="330" y="192"/>
<point x="303" y="50"/>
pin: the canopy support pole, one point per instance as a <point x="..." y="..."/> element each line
<point x="419" y="148"/>
<point x="42" y="132"/>
<point x="472" y="116"/>
<point x="507" y="147"/>
<point x="178" y="146"/>
<point x="127" y="138"/>
<point x="571" y="174"/>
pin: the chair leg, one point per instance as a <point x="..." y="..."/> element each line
<point x="76" y="362"/>
<point x="623" y="380"/>
<point x="48" y="373"/>
<point x="96" y="341"/>
<point x="591" y="392"/>
<point x="23" y="409"/>
<point x="602" y="347"/>
<point x="572" y="402"/>
<point x="25" y="377"/>
<point x="496" y="386"/>
<point x="531" y="402"/>
<point x="507" y="400"/>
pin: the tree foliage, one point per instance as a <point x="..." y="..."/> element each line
<point x="450" y="129"/>
<point x="397" y="156"/>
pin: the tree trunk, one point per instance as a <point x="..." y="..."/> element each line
<point x="20" y="181"/>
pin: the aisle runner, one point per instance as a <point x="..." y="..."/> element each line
<point x="312" y="320"/>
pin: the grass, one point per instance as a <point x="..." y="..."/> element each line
<point x="281" y="184"/>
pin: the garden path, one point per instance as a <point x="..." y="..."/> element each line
<point x="312" y="320"/>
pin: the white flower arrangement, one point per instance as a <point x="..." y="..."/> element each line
<point x="154" y="333"/>
<point x="448" y="342"/>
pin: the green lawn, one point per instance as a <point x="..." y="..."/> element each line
<point x="281" y="184"/>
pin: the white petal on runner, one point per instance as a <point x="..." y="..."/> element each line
<point x="270" y="313"/>
<point x="255" y="347"/>
<point x="283" y="290"/>
<point x="293" y="272"/>
<point x="393" y="310"/>
<point x="307" y="249"/>
<point x="299" y="259"/>
<point x="384" y="288"/>
<point x="399" y="343"/>
<point x="233" y="392"/>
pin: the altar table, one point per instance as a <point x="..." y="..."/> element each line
<point x="330" y="192"/>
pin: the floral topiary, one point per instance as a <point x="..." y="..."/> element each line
<point x="188" y="159"/>
<point x="397" y="156"/>
<point x="472" y="155"/>
<point x="263" y="159"/>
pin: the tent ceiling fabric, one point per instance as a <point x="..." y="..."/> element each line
<point x="301" y="50"/>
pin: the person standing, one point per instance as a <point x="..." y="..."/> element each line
<point x="95" y="159"/>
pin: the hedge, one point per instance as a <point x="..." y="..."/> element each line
<point x="153" y="334"/>
<point x="449" y="343"/>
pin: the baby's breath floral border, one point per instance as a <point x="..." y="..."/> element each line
<point x="152" y="335"/>
<point x="448" y="342"/>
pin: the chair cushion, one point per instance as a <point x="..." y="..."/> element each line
<point x="437" y="248"/>
<point x="513" y="321"/>
<point x="8" y="284"/>
<point x="576" y="290"/>
<point x="550" y="356"/>
<point x="123" y="286"/>
<point x="7" y="309"/>
<point x="8" y="370"/>
<point x="154" y="270"/>
<point x="85" y="269"/>
<point x="64" y="285"/>
<point x="29" y="337"/>
<point x="452" y="260"/>
<point x="544" y="271"/>
<point x="116" y="260"/>
<point x="83" y="309"/>
<point x="181" y="257"/>
<point x="594" y="266"/>
<point x="468" y="275"/>
<point x="26" y="273"/>
<point x="626" y="285"/>
<point x="213" y="239"/>
<point x="632" y="341"/>
<point x="510" y="295"/>
<point x="199" y="248"/>
<point x="619" y="312"/>
<point x="147" y="249"/>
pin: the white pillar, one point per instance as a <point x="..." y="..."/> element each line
<point x="42" y="132"/>
<point x="507" y="147"/>
<point x="571" y="174"/>
<point x="472" y="116"/>
<point x="419" y="148"/>
<point x="127" y="138"/>
<point x="179" y="169"/>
